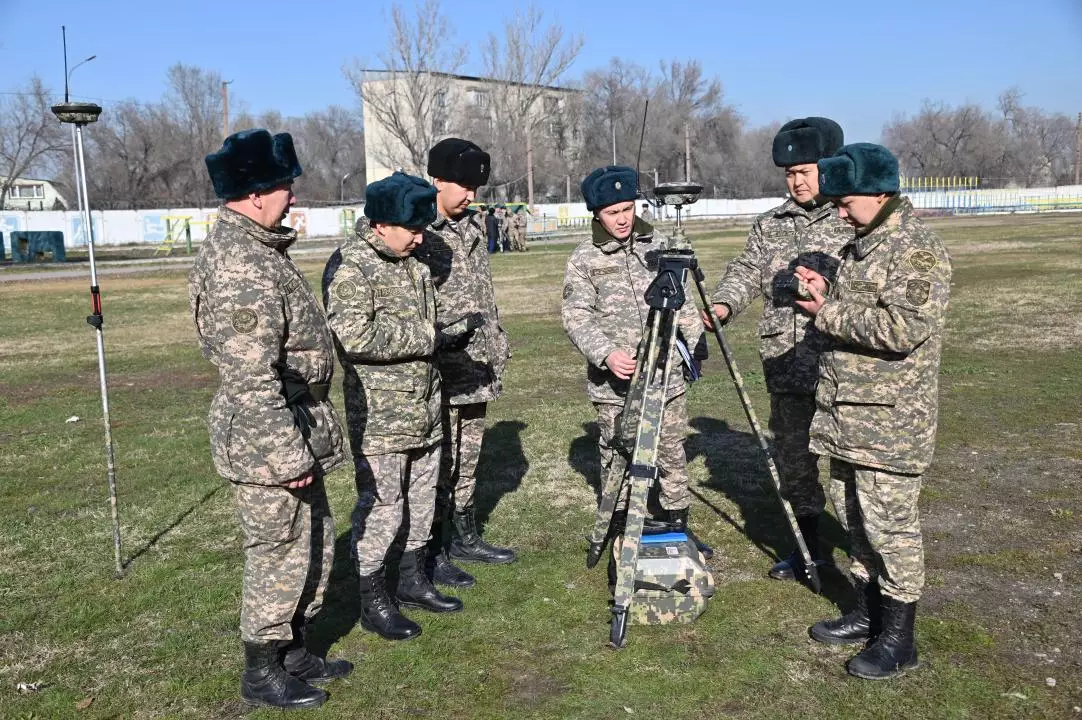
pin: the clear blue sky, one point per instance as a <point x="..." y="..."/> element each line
<point x="860" y="63"/>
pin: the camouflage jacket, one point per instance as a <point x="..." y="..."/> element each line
<point x="878" y="388"/>
<point x="456" y="252"/>
<point x="780" y="239"/>
<point x="259" y="322"/>
<point x="604" y="306"/>
<point x="382" y="310"/>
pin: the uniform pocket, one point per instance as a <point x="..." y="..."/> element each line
<point x="268" y="514"/>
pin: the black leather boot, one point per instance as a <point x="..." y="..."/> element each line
<point x="302" y="664"/>
<point x="439" y="567"/>
<point x="893" y="652"/>
<point x="467" y="545"/>
<point x="379" y="614"/>
<point x="416" y="590"/>
<point x="679" y="520"/>
<point x="792" y="567"/>
<point x="856" y="626"/>
<point x="266" y="683"/>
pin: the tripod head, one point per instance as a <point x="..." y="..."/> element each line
<point x="677" y="195"/>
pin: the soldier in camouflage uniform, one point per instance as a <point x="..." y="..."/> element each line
<point x="804" y="230"/>
<point x="472" y="368"/>
<point x="518" y="229"/>
<point x="604" y="315"/>
<point x="877" y="400"/>
<point x="381" y="306"/>
<point x="274" y="434"/>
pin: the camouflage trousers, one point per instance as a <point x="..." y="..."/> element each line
<point x="790" y="420"/>
<point x="879" y="510"/>
<point x="518" y="239"/>
<point x="288" y="553"/>
<point x="390" y="488"/>
<point x="673" y="493"/>
<point x="463" y="429"/>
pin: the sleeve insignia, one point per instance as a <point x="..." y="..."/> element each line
<point x="244" y="320"/>
<point x="917" y="291"/>
<point x="291" y="285"/>
<point x="568" y="291"/>
<point x="598" y="272"/>
<point x="922" y="261"/>
<point x="345" y="290"/>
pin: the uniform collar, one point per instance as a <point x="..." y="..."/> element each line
<point x="816" y="212"/>
<point x="889" y="219"/>
<point x="641" y="231"/>
<point x="367" y="235"/>
<point x="276" y="239"/>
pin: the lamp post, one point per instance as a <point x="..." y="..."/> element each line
<point x="78" y="115"/>
<point x="342" y="185"/>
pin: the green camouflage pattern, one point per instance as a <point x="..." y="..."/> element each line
<point x="879" y="510"/>
<point x="288" y="556"/>
<point x="672" y="584"/>
<point x="604" y="306"/>
<point x="382" y="311"/>
<point x="878" y="391"/>
<point x="779" y="240"/>
<point x="463" y="430"/>
<point x="790" y="420"/>
<point x="456" y="254"/>
<point x="388" y="485"/>
<point x="257" y="319"/>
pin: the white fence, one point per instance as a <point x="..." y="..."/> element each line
<point x="118" y="227"/>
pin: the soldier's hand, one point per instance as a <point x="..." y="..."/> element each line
<point x="812" y="279"/>
<point x="621" y="364"/>
<point x="722" y="311"/>
<point x="303" y="481"/>
<point x="815" y="304"/>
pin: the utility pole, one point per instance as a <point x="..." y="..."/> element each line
<point x="687" y="152"/>
<point x="225" y="108"/>
<point x="1078" y="151"/>
<point x="529" y="165"/>
<point x="568" y="178"/>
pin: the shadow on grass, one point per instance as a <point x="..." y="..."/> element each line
<point x="738" y="470"/>
<point x="501" y="468"/>
<point x="341" y="603"/>
<point x="146" y="547"/>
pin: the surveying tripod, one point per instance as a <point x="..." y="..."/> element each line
<point x="638" y="430"/>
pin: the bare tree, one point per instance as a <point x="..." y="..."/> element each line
<point x="30" y="136"/>
<point x="526" y="61"/>
<point x="330" y="144"/>
<point x="409" y="98"/>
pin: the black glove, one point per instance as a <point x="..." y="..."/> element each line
<point x="456" y="335"/>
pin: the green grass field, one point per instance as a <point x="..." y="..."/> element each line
<point x="1001" y="511"/>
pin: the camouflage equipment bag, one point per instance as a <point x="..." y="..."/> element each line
<point x="672" y="581"/>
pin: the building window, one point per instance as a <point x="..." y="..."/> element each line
<point x="552" y="104"/>
<point x="439" y="125"/>
<point x="479" y="98"/>
<point x="554" y="128"/>
<point x="441" y="99"/>
<point x="26" y="192"/>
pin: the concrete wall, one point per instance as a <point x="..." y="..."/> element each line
<point x="119" y="227"/>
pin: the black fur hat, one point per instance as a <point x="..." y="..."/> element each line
<point x="459" y="161"/>
<point x="250" y="161"/>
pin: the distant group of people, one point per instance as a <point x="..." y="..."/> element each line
<point x="505" y="228"/>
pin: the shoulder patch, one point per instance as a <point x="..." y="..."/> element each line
<point x="863" y="286"/>
<point x="345" y="290"/>
<point x="244" y="320"/>
<point x="598" y="272"/>
<point x="922" y="260"/>
<point x="568" y="291"/>
<point x="291" y="285"/>
<point x="917" y="291"/>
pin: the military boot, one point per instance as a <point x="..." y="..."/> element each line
<point x="302" y="664"/>
<point x="379" y="614"/>
<point x="416" y="590"/>
<point x="792" y="567"/>
<point x="679" y="521"/>
<point x="856" y="626"/>
<point x="439" y="567"/>
<point x="893" y="652"/>
<point x="467" y="545"/>
<point x="266" y="683"/>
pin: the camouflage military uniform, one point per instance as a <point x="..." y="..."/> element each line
<point x="382" y="310"/>
<point x="877" y="398"/>
<point x="518" y="231"/>
<point x="455" y="253"/>
<point x="270" y="421"/>
<point x="604" y="309"/>
<point x="789" y="345"/>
